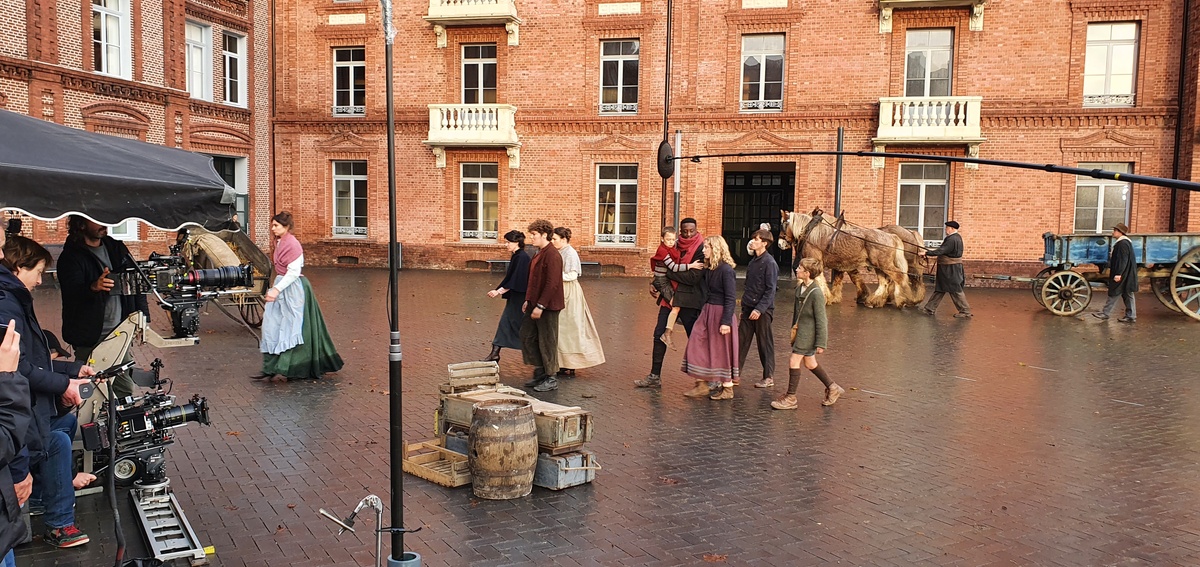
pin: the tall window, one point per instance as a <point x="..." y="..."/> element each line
<point x="199" y="60"/>
<point x="349" y="81"/>
<point x="479" y="74"/>
<point x="235" y="68"/>
<point x="480" y="201"/>
<point x="1101" y="203"/>
<point x="228" y="168"/>
<point x="619" y="76"/>
<point x="928" y="62"/>
<point x="616" y="203"/>
<point x="127" y="230"/>
<point x="762" y="73"/>
<point x="111" y="53"/>
<point x="1110" y="70"/>
<point x="924" y="192"/>
<point x="349" y="198"/>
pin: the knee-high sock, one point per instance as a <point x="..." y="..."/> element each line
<point x="793" y="380"/>
<point x="822" y="376"/>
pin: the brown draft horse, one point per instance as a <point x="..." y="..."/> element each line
<point x="890" y="251"/>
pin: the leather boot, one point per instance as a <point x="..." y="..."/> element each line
<point x="495" y="356"/>
<point x="700" y="391"/>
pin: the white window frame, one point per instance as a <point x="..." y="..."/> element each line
<point x="102" y="17"/>
<point x="480" y="183"/>
<point x="355" y="181"/>
<point x="1098" y="72"/>
<point x="762" y="104"/>
<point x="620" y="60"/>
<point x="609" y="227"/>
<point x="126" y="230"/>
<point x="1102" y="186"/>
<point x="237" y="62"/>
<point x="928" y="52"/>
<point x="926" y="227"/>
<point x="482" y="64"/>
<point x="352" y="66"/>
<point x="198" y="59"/>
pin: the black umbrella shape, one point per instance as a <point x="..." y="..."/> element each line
<point x="50" y="171"/>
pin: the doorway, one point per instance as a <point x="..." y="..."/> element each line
<point x="753" y="197"/>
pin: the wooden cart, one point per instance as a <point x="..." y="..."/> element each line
<point x="1170" y="261"/>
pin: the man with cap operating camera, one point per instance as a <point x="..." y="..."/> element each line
<point x="950" y="276"/>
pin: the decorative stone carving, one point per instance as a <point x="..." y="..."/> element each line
<point x="439" y="154"/>
<point x="972" y="152"/>
<point x="514" y="33"/>
<point x="876" y="161"/>
<point x="885" y="20"/>
<point x="439" y="33"/>
<point x="514" y="157"/>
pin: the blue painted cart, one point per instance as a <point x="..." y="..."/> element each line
<point x="1170" y="261"/>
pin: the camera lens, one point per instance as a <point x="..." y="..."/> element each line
<point x="223" y="277"/>
<point x="180" y="415"/>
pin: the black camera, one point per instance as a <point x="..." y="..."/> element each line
<point x="142" y="430"/>
<point x="180" y="289"/>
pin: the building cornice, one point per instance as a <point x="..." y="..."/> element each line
<point x="205" y="13"/>
<point x="219" y="111"/>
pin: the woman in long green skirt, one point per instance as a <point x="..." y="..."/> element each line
<point x="295" y="342"/>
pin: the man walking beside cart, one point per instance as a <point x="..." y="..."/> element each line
<point x="1122" y="276"/>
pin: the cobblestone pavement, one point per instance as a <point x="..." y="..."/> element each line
<point x="1015" y="438"/>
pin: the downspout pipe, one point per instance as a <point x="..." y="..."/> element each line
<point x="1183" y="61"/>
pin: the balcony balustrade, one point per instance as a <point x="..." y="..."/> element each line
<point x="930" y="120"/>
<point x="473" y="125"/>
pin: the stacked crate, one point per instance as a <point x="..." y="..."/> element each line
<point x="562" y="430"/>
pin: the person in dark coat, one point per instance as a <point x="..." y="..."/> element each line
<point x="512" y="289"/>
<point x="950" y="277"/>
<point x="544" y="300"/>
<point x="90" y="311"/>
<point x="14" y="422"/>
<point x="758" y="306"/>
<point x="53" y="385"/>
<point x="691" y="293"/>
<point x="1122" y="276"/>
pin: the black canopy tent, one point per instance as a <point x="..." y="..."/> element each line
<point x="49" y="171"/>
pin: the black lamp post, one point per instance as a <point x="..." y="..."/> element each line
<point x="398" y="557"/>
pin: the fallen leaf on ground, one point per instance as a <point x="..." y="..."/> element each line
<point x="714" y="558"/>
<point x="291" y="506"/>
<point x="280" y="529"/>
<point x="667" y="480"/>
<point x="231" y="508"/>
<point x="235" y="433"/>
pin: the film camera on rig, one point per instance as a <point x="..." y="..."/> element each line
<point x="141" y="430"/>
<point x="179" y="288"/>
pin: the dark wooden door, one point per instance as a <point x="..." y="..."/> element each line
<point x="753" y="198"/>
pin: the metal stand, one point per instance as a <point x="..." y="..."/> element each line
<point x="407" y="559"/>
<point x="167" y="530"/>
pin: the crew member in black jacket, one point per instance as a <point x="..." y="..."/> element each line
<point x="90" y="310"/>
<point x="14" y="421"/>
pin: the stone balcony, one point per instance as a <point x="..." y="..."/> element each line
<point x="473" y="125"/>
<point x="444" y="13"/>
<point x="939" y="120"/>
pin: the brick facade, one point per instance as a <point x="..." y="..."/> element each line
<point x="47" y="70"/>
<point x="1027" y="64"/>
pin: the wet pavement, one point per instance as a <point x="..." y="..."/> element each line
<point x="1014" y="438"/>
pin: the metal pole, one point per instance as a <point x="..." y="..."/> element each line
<point x="395" y="358"/>
<point x="667" y="105"/>
<point x="678" y="150"/>
<point x="837" y="183"/>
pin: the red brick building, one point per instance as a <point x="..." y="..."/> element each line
<point x="191" y="74"/>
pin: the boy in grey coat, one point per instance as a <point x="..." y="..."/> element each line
<point x="810" y="336"/>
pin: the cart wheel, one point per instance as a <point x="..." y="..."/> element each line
<point x="1038" y="281"/>
<point x="1066" y="293"/>
<point x="1185" y="283"/>
<point x="1162" y="290"/>
<point x="252" y="311"/>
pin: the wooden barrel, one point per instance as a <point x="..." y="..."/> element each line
<point x="502" y="449"/>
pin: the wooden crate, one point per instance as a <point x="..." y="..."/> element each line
<point x="557" y="472"/>
<point x="560" y="429"/>
<point x="433" y="462"/>
<point x="465" y="376"/>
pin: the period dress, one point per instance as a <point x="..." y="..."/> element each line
<point x="295" y="342"/>
<point x="710" y="355"/>
<point x="508" y="332"/>
<point x="578" y="342"/>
